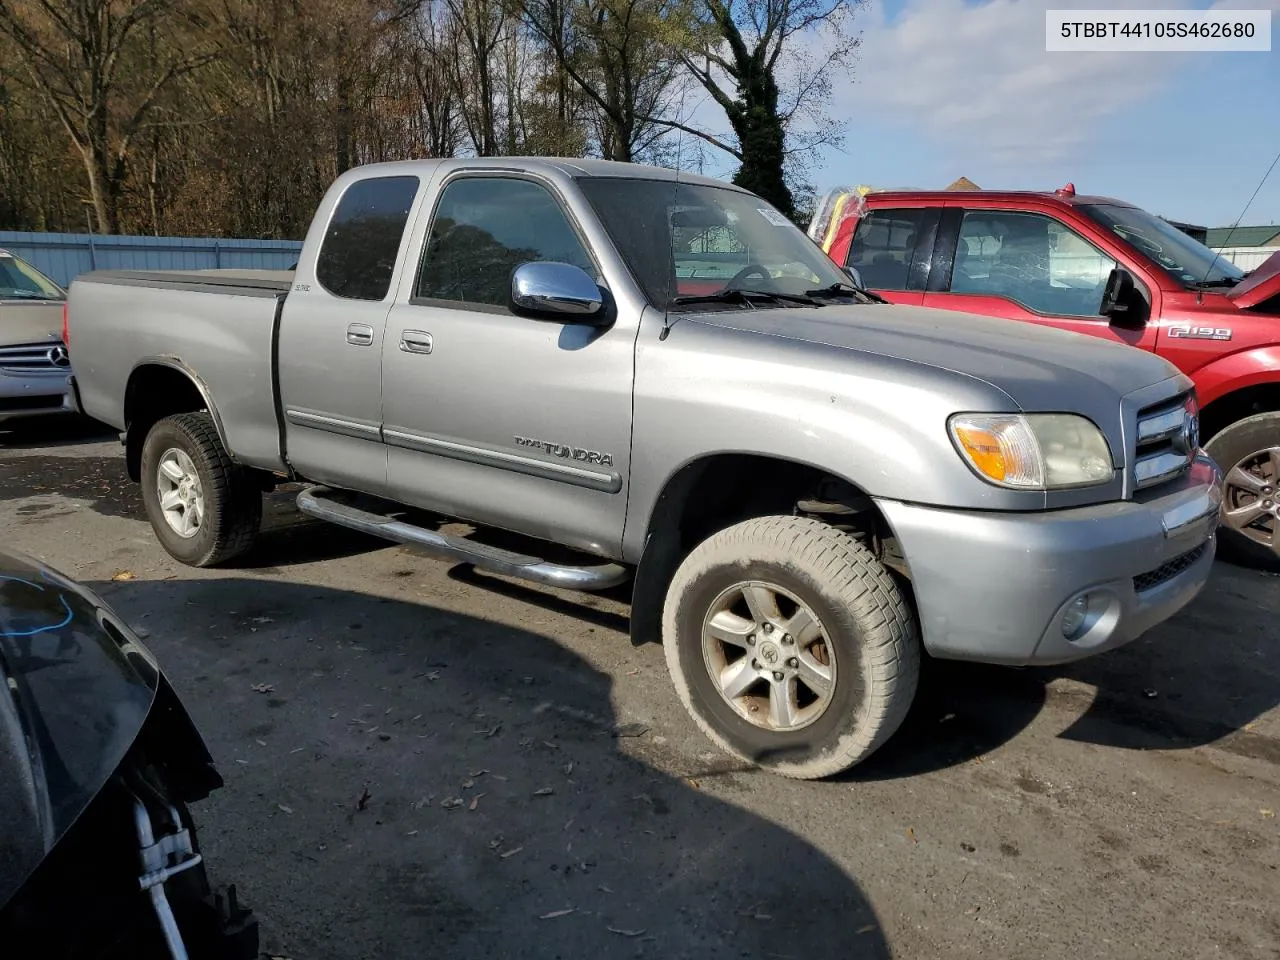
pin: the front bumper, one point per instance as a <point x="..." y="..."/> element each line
<point x="37" y="394"/>
<point x="994" y="587"/>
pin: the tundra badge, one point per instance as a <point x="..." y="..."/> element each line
<point x="567" y="451"/>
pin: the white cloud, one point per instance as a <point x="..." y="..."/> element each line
<point x="976" y="78"/>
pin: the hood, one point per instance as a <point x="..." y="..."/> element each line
<point x="30" y="321"/>
<point x="1039" y="368"/>
<point x="1262" y="283"/>
<point x="75" y="689"/>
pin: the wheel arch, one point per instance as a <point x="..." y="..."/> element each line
<point x="695" y="502"/>
<point x="1238" y="403"/>
<point x="160" y="387"/>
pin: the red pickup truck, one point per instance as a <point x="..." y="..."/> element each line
<point x="1103" y="267"/>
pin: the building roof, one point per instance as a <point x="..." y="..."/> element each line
<point x="964" y="183"/>
<point x="1244" y="236"/>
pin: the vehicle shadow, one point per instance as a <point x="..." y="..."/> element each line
<point x="56" y="430"/>
<point x="1200" y="678"/>
<point x="405" y="781"/>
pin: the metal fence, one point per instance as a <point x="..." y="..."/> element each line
<point x="64" y="256"/>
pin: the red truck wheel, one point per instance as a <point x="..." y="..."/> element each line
<point x="1249" y="453"/>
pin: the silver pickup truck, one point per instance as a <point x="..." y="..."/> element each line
<point x="659" y="378"/>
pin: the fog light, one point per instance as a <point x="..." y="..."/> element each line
<point x="1073" y="619"/>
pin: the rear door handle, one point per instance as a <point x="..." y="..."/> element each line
<point x="415" y="341"/>
<point x="359" y="334"/>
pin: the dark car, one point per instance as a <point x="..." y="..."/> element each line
<point x="98" y="763"/>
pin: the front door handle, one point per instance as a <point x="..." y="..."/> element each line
<point x="415" y="341"/>
<point x="359" y="334"/>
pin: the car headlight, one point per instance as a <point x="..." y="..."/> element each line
<point x="1033" y="451"/>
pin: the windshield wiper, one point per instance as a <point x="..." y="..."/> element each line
<point x="1219" y="282"/>
<point x="749" y="297"/>
<point x="840" y="289"/>
<point x="26" y="295"/>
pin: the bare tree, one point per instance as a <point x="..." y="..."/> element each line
<point x="745" y="53"/>
<point x="82" y="55"/>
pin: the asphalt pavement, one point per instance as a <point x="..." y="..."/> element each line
<point x="424" y="761"/>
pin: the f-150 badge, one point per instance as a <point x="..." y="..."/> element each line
<point x="568" y="451"/>
<point x="1185" y="331"/>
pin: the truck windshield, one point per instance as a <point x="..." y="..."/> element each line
<point x="689" y="244"/>
<point x="1183" y="257"/>
<point x="21" y="281"/>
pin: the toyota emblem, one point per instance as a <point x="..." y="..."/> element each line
<point x="58" y="356"/>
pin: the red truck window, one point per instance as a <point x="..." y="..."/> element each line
<point x="1031" y="259"/>
<point x="884" y="246"/>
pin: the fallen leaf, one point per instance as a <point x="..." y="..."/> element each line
<point x="556" y="913"/>
<point x="492" y="732"/>
<point x="626" y="933"/>
<point x="451" y="802"/>
<point x="123" y="575"/>
<point x="1150" y="693"/>
<point x="604" y="889"/>
<point x="261" y="743"/>
<point x="568" y="768"/>
<point x="911" y="835"/>
<point x="631" y="730"/>
<point x="262" y="620"/>
<point x="544" y="792"/>
<point x="468" y="784"/>
<point x="362" y="802"/>
<point x="412" y="833"/>
<point x="693" y="783"/>
<point x="1267" y="813"/>
<point x="475" y="801"/>
<point x="284" y="808"/>
<point x="510" y="853"/>
<point x="264" y="687"/>
<point x="477" y="773"/>
<point x="867" y="929"/>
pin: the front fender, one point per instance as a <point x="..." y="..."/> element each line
<point x="1248" y="368"/>
<point x="877" y="422"/>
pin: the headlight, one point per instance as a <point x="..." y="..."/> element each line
<point x="1034" y="451"/>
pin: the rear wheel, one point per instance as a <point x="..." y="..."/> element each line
<point x="1248" y="452"/>
<point x="790" y="645"/>
<point x="204" y="508"/>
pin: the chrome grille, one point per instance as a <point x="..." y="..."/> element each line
<point x="34" y="358"/>
<point x="1168" y="434"/>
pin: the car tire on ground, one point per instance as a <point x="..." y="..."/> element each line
<point x="791" y="646"/>
<point x="204" y="508"/>
<point x="1248" y="451"/>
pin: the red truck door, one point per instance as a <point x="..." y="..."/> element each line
<point x="1026" y="266"/>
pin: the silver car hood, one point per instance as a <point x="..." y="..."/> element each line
<point x="29" y="321"/>
<point x="1038" y="367"/>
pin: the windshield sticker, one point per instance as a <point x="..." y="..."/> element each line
<point x="773" y="216"/>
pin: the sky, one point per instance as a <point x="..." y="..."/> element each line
<point x="945" y="88"/>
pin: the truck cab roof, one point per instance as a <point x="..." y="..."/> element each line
<point x="577" y="168"/>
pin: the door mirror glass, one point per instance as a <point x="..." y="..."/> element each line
<point x="556" y="290"/>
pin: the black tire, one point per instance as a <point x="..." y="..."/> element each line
<point x="866" y="621"/>
<point x="1233" y="446"/>
<point x="232" y="499"/>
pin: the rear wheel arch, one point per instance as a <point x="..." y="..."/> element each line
<point x="160" y="387"/>
<point x="713" y="492"/>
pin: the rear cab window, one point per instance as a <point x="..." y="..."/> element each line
<point x="358" y="254"/>
<point x="889" y="248"/>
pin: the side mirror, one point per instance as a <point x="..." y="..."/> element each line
<point x="856" y="277"/>
<point x="558" y="291"/>
<point x="1120" y="299"/>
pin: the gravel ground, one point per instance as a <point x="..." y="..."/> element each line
<point x="426" y="761"/>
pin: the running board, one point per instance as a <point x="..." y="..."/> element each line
<point x="327" y="504"/>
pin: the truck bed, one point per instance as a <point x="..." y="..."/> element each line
<point x="217" y="325"/>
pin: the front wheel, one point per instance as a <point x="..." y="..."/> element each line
<point x="203" y="507"/>
<point x="791" y="646"/>
<point x="1248" y="451"/>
